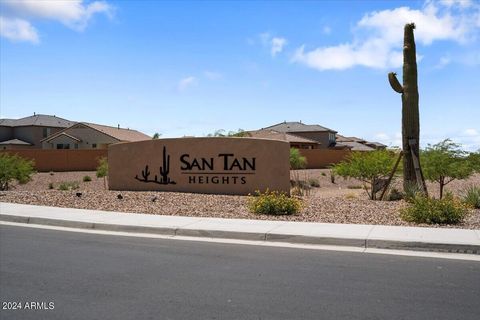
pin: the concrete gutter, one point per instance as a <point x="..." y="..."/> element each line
<point x="352" y="235"/>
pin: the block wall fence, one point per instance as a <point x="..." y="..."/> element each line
<point x="61" y="160"/>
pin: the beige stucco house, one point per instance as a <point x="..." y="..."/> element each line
<point x="84" y="135"/>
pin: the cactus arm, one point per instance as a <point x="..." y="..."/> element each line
<point x="394" y="83"/>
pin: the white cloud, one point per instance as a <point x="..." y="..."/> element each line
<point x="212" y="75"/>
<point x="378" y="37"/>
<point x="275" y="44"/>
<point x="74" y="14"/>
<point x="187" y="82"/>
<point x="17" y="30"/>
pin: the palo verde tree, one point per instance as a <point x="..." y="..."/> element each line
<point x="444" y="162"/>
<point x="14" y="167"/>
<point x="372" y="168"/>
<point x="410" y="113"/>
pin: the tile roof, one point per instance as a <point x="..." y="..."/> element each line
<point x="43" y="120"/>
<point x="121" y="134"/>
<point x="297" y="127"/>
<point x="16" y="142"/>
<point x="54" y="136"/>
<point x="275" y="135"/>
<point x="357" y="146"/>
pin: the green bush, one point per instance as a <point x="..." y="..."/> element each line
<point x="395" y="195"/>
<point x="87" y="179"/>
<point x="14" y="167"/>
<point x="102" y="170"/>
<point x="447" y="210"/>
<point x="314" y="182"/>
<point x="412" y="191"/>
<point x="472" y="196"/>
<point x="68" y="185"/>
<point x="297" y="161"/>
<point x="272" y="202"/>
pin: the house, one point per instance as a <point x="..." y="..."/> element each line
<point x="42" y="131"/>
<point x="294" y="140"/>
<point x="357" y="144"/>
<point x="27" y="133"/>
<point x="84" y="135"/>
<point x="325" y="136"/>
<point x="307" y="136"/>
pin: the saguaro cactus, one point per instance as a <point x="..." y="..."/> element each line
<point x="412" y="173"/>
<point x="165" y="170"/>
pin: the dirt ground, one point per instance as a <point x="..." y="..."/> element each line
<point x="343" y="201"/>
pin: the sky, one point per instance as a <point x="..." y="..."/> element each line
<point x="190" y="68"/>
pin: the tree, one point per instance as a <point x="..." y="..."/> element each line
<point x="297" y="161"/>
<point x="444" y="162"/>
<point x="474" y="161"/>
<point x="410" y="113"/>
<point x="372" y="168"/>
<point x="14" y="167"/>
<point x="102" y="170"/>
<point x="231" y="133"/>
<point x="156" y="136"/>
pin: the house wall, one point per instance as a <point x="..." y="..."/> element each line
<point x="6" y="133"/>
<point x="321" y="158"/>
<point x="319" y="136"/>
<point x="61" y="160"/>
<point x="88" y="136"/>
<point x="15" y="147"/>
<point x="32" y="134"/>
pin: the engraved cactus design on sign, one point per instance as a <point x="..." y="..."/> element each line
<point x="164" y="171"/>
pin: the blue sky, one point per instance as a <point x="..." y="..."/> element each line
<point x="189" y="68"/>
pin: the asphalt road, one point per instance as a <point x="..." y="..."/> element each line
<point x="91" y="276"/>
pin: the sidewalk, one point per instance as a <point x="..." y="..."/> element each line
<point x="352" y="235"/>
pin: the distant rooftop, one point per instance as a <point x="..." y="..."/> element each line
<point x="41" y="120"/>
<point x="275" y="135"/>
<point x="297" y="126"/>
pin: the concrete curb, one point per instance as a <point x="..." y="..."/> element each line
<point x="359" y="236"/>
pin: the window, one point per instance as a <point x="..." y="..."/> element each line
<point x="94" y="146"/>
<point x="76" y="145"/>
<point x="63" y="146"/>
<point x="46" y="132"/>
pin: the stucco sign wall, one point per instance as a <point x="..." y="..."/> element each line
<point x="205" y="165"/>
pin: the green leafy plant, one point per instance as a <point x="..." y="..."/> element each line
<point x="444" y="162"/>
<point x="231" y="133"/>
<point x="395" y="195"/>
<point x="472" y="196"/>
<point x="68" y="185"/>
<point x="371" y="168"/>
<point x="273" y="203"/>
<point x="423" y="209"/>
<point x="14" y="167"/>
<point x="87" y="179"/>
<point x="156" y="135"/>
<point x="474" y="161"/>
<point x="314" y="182"/>
<point x="297" y="161"/>
<point x="102" y="170"/>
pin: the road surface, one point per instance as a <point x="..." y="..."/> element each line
<point x="94" y="276"/>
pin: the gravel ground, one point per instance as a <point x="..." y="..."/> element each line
<point x="339" y="202"/>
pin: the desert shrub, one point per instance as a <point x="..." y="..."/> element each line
<point x="447" y="210"/>
<point x="14" y="167"/>
<point x="395" y="195"/>
<point x="297" y="161"/>
<point x="444" y="162"/>
<point x="472" y="196"/>
<point x="274" y="203"/>
<point x="314" y="182"/>
<point x="372" y="168"/>
<point x="68" y="185"/>
<point x="411" y="191"/>
<point x="87" y="179"/>
<point x="102" y="170"/>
